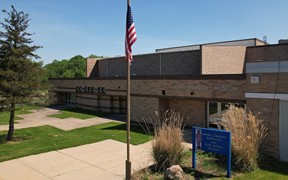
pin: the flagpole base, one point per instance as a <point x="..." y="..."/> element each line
<point x="128" y="170"/>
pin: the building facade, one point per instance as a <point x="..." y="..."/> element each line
<point x="199" y="81"/>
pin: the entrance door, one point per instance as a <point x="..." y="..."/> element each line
<point x="70" y="98"/>
<point x="283" y="131"/>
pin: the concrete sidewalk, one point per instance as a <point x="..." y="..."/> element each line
<point x="40" y="118"/>
<point x="102" y="160"/>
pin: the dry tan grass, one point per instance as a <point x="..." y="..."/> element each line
<point x="248" y="132"/>
<point x="167" y="147"/>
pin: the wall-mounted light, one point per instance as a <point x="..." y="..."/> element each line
<point x="254" y="79"/>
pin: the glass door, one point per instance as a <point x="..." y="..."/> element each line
<point x="215" y="111"/>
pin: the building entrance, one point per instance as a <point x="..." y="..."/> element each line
<point x="215" y="111"/>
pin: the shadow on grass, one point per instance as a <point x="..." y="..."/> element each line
<point x="187" y="170"/>
<point x="117" y="117"/>
<point x="84" y="111"/>
<point x="2" y="138"/>
<point x="15" y="139"/>
<point x="123" y="127"/>
<point x="198" y="174"/>
<point x="266" y="163"/>
<point x="271" y="164"/>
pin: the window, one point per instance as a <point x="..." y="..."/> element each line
<point x="70" y="98"/>
<point x="215" y="111"/>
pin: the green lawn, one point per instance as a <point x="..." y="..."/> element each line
<point x="46" y="138"/>
<point x="210" y="167"/>
<point x="269" y="168"/>
<point x="77" y="113"/>
<point x="5" y="115"/>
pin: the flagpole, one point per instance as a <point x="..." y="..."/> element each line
<point x="128" y="162"/>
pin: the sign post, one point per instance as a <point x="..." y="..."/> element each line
<point x="212" y="140"/>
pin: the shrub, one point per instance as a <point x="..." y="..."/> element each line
<point x="248" y="133"/>
<point x="167" y="148"/>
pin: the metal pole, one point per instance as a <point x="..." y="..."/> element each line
<point x="128" y="163"/>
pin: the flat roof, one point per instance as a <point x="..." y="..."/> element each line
<point x="196" y="46"/>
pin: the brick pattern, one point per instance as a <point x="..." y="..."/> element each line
<point x="260" y="43"/>
<point x="263" y="107"/>
<point x="101" y="103"/>
<point x="268" y="108"/>
<point x="186" y="95"/>
<point x="267" y="53"/>
<point x="173" y="63"/>
<point x="215" y="89"/>
<point x="146" y="94"/>
<point x="269" y="83"/>
<point x="193" y="110"/>
<point x="146" y="65"/>
<point x="201" y="88"/>
<point x="143" y="107"/>
<point x="163" y="107"/>
<point x="90" y="67"/>
<point x="223" y="59"/>
<point x="181" y="63"/>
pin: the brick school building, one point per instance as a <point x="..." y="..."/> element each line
<point x="197" y="80"/>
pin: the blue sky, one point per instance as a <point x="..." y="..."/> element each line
<point x="66" y="28"/>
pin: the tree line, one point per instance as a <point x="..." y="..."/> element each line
<point x="74" y="67"/>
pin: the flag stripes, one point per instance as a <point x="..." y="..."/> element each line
<point x="130" y="34"/>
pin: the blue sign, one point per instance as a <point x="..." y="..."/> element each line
<point x="212" y="140"/>
<point x="215" y="141"/>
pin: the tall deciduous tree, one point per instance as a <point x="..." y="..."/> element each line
<point x="75" y="67"/>
<point x="19" y="75"/>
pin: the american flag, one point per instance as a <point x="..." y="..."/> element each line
<point x="130" y="35"/>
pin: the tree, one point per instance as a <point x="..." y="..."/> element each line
<point x="72" y="68"/>
<point x="94" y="56"/>
<point x="75" y="67"/>
<point x="19" y="75"/>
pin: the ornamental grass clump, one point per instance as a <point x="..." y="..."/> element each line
<point x="248" y="133"/>
<point x="167" y="147"/>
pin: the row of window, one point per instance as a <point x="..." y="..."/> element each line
<point x="214" y="109"/>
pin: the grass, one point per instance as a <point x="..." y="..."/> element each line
<point x="5" y="115"/>
<point x="46" y="138"/>
<point x="77" y="113"/>
<point x="167" y="148"/>
<point x="269" y="168"/>
<point x="210" y="166"/>
<point x="25" y="109"/>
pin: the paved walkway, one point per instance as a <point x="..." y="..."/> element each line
<point x="102" y="160"/>
<point x="40" y="118"/>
